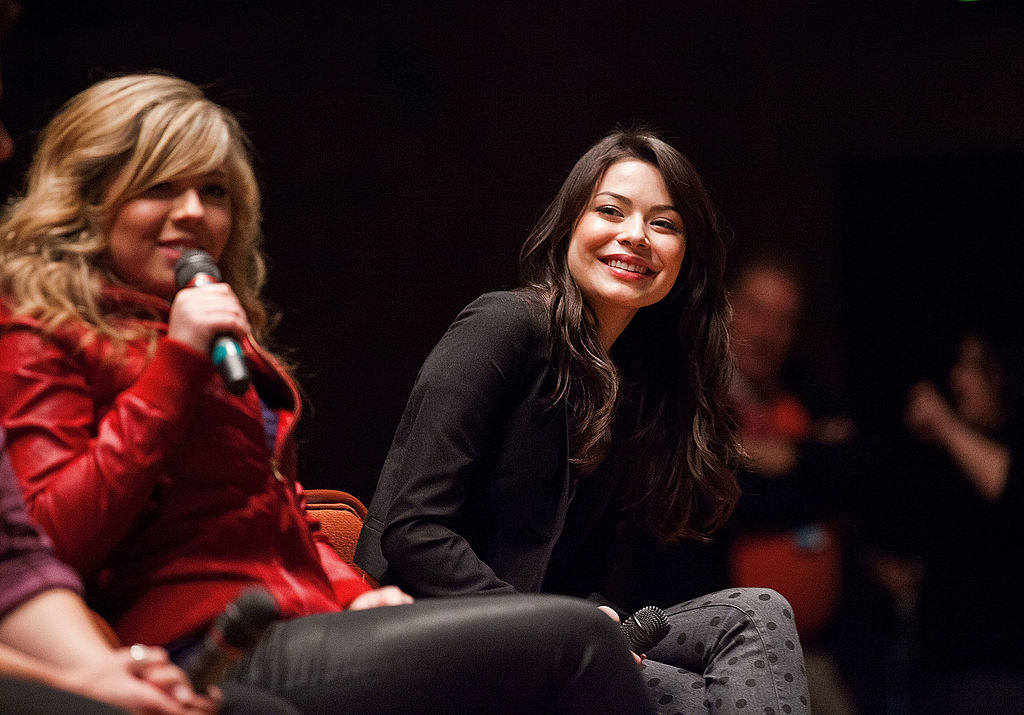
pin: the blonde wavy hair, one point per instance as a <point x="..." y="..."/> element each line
<point x="106" y="146"/>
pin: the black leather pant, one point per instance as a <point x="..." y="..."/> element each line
<point x="493" y="654"/>
<point x="27" y="697"/>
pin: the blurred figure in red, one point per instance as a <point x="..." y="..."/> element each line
<point x="784" y="531"/>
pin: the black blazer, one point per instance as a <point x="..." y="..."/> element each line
<point x="475" y="491"/>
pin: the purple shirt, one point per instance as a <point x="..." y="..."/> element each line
<point x="27" y="563"/>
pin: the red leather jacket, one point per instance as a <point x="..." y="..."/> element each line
<point x="157" y="484"/>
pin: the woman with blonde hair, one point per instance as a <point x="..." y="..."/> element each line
<point x="169" y="492"/>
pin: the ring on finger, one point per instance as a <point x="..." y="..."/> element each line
<point x="139" y="653"/>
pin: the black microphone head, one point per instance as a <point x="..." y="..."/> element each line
<point x="645" y="628"/>
<point x="193" y="262"/>
<point x="246" y="618"/>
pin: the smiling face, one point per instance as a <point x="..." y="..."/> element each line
<point x="148" y="233"/>
<point x="627" y="246"/>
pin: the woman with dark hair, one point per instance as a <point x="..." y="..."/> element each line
<point x="171" y="493"/>
<point x="594" y="392"/>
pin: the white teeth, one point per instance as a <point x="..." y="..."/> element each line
<point x="627" y="267"/>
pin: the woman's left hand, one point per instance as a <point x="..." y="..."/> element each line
<point x="141" y="679"/>
<point x="384" y="596"/>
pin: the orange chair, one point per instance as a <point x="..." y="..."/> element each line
<point x="341" y="518"/>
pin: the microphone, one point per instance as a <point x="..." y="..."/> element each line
<point x="196" y="268"/>
<point x="236" y="630"/>
<point x="645" y="628"/>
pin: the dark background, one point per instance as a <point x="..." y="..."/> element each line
<point x="405" y="149"/>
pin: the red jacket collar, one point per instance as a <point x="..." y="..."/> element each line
<point x="134" y="301"/>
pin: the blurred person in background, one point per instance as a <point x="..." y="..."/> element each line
<point x="969" y="488"/>
<point x="784" y="533"/>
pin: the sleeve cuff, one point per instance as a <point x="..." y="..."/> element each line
<point x="25" y="578"/>
<point x="173" y="370"/>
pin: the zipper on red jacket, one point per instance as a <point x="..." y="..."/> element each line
<point x="275" y="468"/>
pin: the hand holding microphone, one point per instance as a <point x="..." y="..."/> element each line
<point x="210" y="318"/>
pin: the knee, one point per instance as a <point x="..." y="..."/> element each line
<point x="767" y="609"/>
<point x="596" y="623"/>
<point x="764" y="608"/>
<point x="573" y="624"/>
<point x="758" y="601"/>
<point x="577" y="615"/>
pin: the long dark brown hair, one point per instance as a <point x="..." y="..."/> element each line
<point x="663" y="395"/>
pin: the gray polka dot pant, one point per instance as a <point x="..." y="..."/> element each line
<point x="733" y="651"/>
